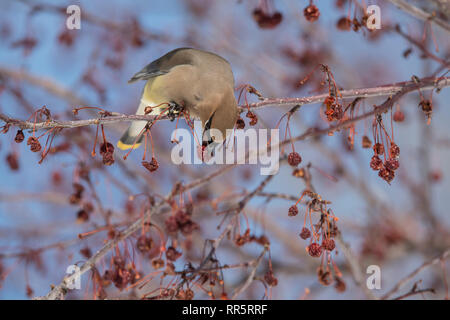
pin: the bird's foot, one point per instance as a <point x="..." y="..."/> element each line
<point x="174" y="110"/>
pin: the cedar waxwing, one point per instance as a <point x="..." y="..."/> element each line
<point x="199" y="81"/>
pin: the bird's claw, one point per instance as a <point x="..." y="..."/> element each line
<point x="174" y="110"/>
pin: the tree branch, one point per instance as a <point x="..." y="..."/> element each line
<point x="386" y="90"/>
<point x="421" y="14"/>
<point x="408" y="278"/>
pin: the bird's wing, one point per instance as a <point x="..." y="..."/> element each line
<point x="164" y="64"/>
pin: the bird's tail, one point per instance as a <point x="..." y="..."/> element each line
<point x="133" y="136"/>
<point x="130" y="139"/>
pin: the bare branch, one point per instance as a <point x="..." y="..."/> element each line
<point x="398" y="89"/>
<point x="421" y="14"/>
<point x="251" y="276"/>
<point x="408" y="278"/>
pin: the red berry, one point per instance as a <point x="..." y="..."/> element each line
<point x="311" y="13"/>
<point x="34" y="144"/>
<point x="386" y="174"/>
<point x="378" y="149"/>
<point x="144" y="244"/>
<point x="399" y="116"/>
<point x="376" y="163"/>
<point x="394" y="150"/>
<point x="293" y="211"/>
<point x="314" y="250"/>
<point x="240" y="124"/>
<point x="19" y="136"/>
<point x="392" y="164"/>
<point x="172" y="254"/>
<point x="305" y="234"/>
<point x="294" y="159"/>
<point x="328" y="244"/>
<point x="151" y="166"/>
<point x="270" y="279"/>
<point x="344" y="24"/>
<point x="366" y="143"/>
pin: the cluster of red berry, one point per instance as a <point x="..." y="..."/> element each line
<point x="386" y="169"/>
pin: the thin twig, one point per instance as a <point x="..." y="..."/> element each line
<point x="408" y="278"/>
<point x="251" y="276"/>
<point x="421" y="14"/>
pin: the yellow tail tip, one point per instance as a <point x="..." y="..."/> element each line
<point x="124" y="146"/>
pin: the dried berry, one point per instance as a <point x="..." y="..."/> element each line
<point x="240" y="240"/>
<point x="392" y="164"/>
<point x="82" y="216"/>
<point x="66" y="37"/>
<point x="152" y="165"/>
<point x="86" y="252"/>
<point x="189" y="295"/>
<point x="344" y="24"/>
<point x="182" y="217"/>
<point x="270" y="278"/>
<point x="171" y="224"/>
<point x="78" y="188"/>
<point x="157" y="263"/>
<point x="34" y="144"/>
<point x="376" y="163"/>
<point x="399" y="116"/>
<point x="334" y="110"/>
<point x="119" y="262"/>
<point x="12" y="161"/>
<point x="57" y="178"/>
<point x="378" y="149"/>
<point x="172" y="254"/>
<point x="386" y="174"/>
<point x="294" y="159"/>
<point x="250" y="115"/>
<point x="107" y="152"/>
<point x="305" y="234"/>
<point x="311" y="13"/>
<point x="299" y="173"/>
<point x="19" y="136"/>
<point x="266" y="20"/>
<point x="328" y="244"/>
<point x="108" y="159"/>
<point x="30" y="291"/>
<point x="366" y="142"/>
<point x="106" y="148"/>
<point x="293" y="211"/>
<point x="394" y="150"/>
<point x="314" y="250"/>
<point x="325" y="277"/>
<point x="240" y="124"/>
<point x="74" y="199"/>
<point x="427" y="106"/>
<point x="144" y="244"/>
<point x="339" y="284"/>
<point x="253" y="118"/>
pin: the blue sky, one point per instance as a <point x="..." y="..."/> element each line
<point x="358" y="59"/>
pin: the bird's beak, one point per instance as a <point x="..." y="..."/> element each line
<point x="206" y="136"/>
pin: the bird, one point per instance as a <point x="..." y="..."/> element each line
<point x="193" y="80"/>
